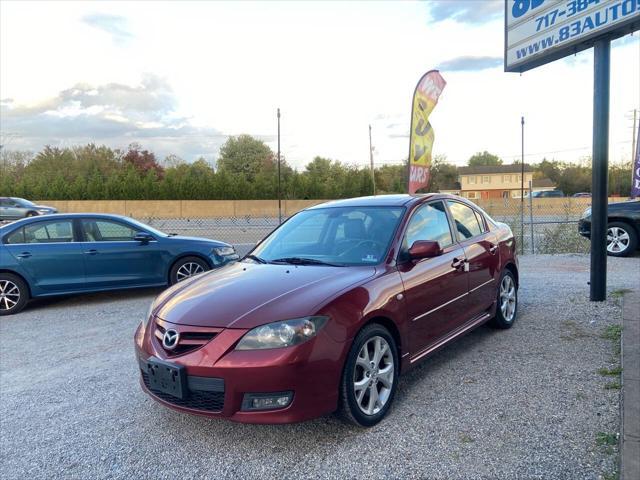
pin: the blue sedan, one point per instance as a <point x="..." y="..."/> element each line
<point x="74" y="253"/>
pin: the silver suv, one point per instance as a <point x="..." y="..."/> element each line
<point x="12" y="208"/>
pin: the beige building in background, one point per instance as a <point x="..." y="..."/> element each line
<point x="486" y="182"/>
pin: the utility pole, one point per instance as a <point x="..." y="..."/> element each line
<point x="373" y="174"/>
<point x="522" y="187"/>
<point x="279" y="191"/>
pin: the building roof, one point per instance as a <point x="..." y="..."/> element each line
<point x="543" y="182"/>
<point x="489" y="169"/>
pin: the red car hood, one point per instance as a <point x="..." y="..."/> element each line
<point x="245" y="295"/>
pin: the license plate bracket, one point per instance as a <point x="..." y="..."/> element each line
<point x="167" y="377"/>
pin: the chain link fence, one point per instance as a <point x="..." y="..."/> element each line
<point x="541" y="225"/>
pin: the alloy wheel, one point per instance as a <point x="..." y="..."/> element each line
<point x="9" y="295"/>
<point x="617" y="240"/>
<point x="188" y="270"/>
<point x="508" y="298"/>
<point x="373" y="375"/>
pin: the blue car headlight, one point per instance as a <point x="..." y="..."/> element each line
<point x="282" y="334"/>
<point x="225" y="252"/>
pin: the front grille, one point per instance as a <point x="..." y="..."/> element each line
<point x="191" y="338"/>
<point x="196" y="399"/>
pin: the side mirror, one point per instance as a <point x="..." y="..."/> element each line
<point x="424" y="249"/>
<point x="143" y="237"/>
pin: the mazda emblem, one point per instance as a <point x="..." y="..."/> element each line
<point x="170" y="339"/>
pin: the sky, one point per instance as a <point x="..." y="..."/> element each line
<point x="181" y="77"/>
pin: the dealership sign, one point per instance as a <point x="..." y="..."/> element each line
<point x="540" y="31"/>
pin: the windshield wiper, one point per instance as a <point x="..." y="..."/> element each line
<point x="305" y="261"/>
<point x="255" y="258"/>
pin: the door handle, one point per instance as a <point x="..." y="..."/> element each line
<point x="457" y="263"/>
<point x="24" y="255"/>
<point x="493" y="249"/>
<point x="93" y="251"/>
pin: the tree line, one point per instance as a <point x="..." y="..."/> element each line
<point x="245" y="169"/>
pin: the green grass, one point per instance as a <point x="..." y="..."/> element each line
<point x="610" y="372"/>
<point x="612" y="332"/>
<point x="612" y="386"/>
<point x="605" y="438"/>
<point x="464" y="438"/>
<point x="619" y="293"/>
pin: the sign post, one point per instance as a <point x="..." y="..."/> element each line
<point x="541" y="31"/>
<point x="600" y="169"/>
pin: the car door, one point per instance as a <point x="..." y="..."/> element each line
<point x="435" y="288"/>
<point x="50" y="255"/>
<point x="10" y="209"/>
<point x="113" y="258"/>
<point x="482" y="254"/>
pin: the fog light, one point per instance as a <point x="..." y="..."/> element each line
<point x="266" y="401"/>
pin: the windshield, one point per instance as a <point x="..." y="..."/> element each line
<point x="144" y="226"/>
<point x="333" y="235"/>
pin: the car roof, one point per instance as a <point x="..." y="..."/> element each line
<point x="395" y="200"/>
<point x="63" y="216"/>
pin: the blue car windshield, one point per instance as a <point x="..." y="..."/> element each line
<point x="144" y="226"/>
<point x="332" y="235"/>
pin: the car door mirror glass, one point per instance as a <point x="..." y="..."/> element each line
<point x="424" y="249"/>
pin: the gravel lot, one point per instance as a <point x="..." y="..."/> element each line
<point x="523" y="403"/>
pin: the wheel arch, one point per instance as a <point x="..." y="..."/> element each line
<point x="627" y="221"/>
<point x="21" y="277"/>
<point x="514" y="270"/>
<point x="390" y="325"/>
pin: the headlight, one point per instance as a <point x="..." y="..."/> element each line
<point x="586" y="213"/>
<point x="282" y="334"/>
<point x="224" y="251"/>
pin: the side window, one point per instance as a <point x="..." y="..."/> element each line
<point x="15" y="237"/>
<point x="49" y="232"/>
<point x="466" y="222"/>
<point x="106" y="231"/>
<point x="429" y="222"/>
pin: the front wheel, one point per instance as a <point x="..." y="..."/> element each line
<point x="370" y="377"/>
<point x="621" y="239"/>
<point x="186" y="268"/>
<point x="507" y="301"/>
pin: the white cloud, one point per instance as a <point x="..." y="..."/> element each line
<point x="220" y="69"/>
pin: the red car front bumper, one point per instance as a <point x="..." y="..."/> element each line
<point x="311" y="371"/>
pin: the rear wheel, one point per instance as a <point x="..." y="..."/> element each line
<point x="622" y="239"/>
<point x="370" y="377"/>
<point x="186" y="268"/>
<point x="507" y="301"/>
<point x="14" y="294"/>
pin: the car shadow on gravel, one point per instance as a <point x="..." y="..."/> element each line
<point x="94" y="298"/>
<point x="330" y="429"/>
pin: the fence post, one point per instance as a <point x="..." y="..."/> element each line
<point x="533" y="248"/>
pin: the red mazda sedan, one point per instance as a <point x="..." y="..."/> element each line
<point x="328" y="310"/>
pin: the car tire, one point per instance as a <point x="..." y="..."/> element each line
<point x="360" y="371"/>
<point x="622" y="239"/>
<point x="31" y="214"/>
<point x="14" y="294"/>
<point x="187" y="267"/>
<point x="507" y="301"/>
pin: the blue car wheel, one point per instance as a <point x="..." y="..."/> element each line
<point x="14" y="294"/>
<point x="187" y="267"/>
